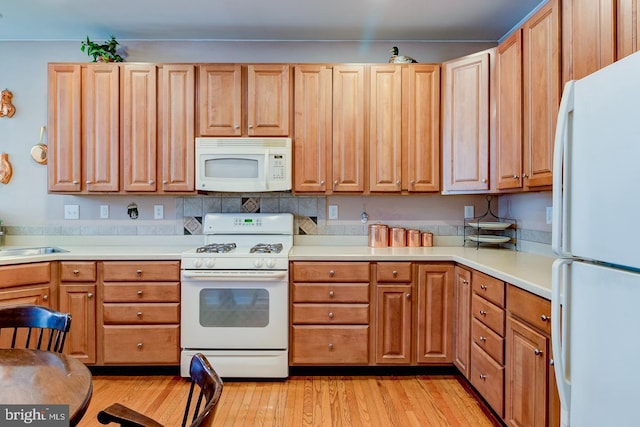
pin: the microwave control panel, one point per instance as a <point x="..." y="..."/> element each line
<point x="278" y="167"/>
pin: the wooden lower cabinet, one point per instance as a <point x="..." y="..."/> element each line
<point x="462" y="319"/>
<point x="27" y="284"/>
<point x="393" y="324"/>
<point x="487" y="376"/>
<point x="140" y="312"/>
<point x="330" y="344"/>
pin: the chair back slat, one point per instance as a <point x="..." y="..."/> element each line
<point x="210" y="385"/>
<point x="47" y="327"/>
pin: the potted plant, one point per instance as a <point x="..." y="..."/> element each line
<point x="105" y="52"/>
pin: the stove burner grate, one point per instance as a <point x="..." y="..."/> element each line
<point x="216" y="248"/>
<point x="267" y="248"/>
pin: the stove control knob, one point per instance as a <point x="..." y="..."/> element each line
<point x="258" y="263"/>
<point x="197" y="263"/>
<point x="210" y="262"/>
<point x="271" y="263"/>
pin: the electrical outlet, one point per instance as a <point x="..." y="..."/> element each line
<point x="549" y="214"/>
<point x="158" y="211"/>
<point x="468" y="212"/>
<point x="104" y="211"/>
<point x="71" y="211"/>
<point x="333" y="211"/>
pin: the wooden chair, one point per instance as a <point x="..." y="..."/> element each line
<point x="203" y="375"/>
<point x="33" y="326"/>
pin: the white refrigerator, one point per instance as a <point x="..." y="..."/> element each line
<point x="596" y="236"/>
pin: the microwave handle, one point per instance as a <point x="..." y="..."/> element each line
<point x="267" y="170"/>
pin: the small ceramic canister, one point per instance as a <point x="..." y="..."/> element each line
<point x="413" y="237"/>
<point x="378" y="236"/>
<point x="397" y="237"/>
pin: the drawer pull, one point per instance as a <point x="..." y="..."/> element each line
<point x="330" y="294"/>
<point x="45" y="297"/>
<point x="481" y="338"/>
<point x="408" y="295"/>
<point x="395" y="273"/>
<point x="483" y="377"/>
<point x="90" y="295"/>
<point x="139" y="346"/>
<point x="465" y="282"/>
<point x="550" y="362"/>
<point x="76" y="272"/>
<point x="483" y="287"/>
<point x="545" y="318"/>
<point x="330" y="315"/>
<point x="139" y="314"/>
<point x="139" y="272"/>
<point x="332" y="273"/>
<point x="537" y="352"/>
<point x="330" y="346"/>
<point x="139" y="292"/>
<point x="483" y="313"/>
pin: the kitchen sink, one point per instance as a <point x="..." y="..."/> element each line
<point x="41" y="250"/>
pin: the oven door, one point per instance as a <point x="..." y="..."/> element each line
<point x="234" y="310"/>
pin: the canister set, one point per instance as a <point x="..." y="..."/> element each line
<point x="382" y="236"/>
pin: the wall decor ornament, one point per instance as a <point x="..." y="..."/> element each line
<point x="6" y="171"/>
<point x="6" y="107"/>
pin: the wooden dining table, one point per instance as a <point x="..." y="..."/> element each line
<point x="45" y="378"/>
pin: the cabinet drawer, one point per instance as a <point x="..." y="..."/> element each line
<point x="142" y="345"/>
<point x="487" y="376"/>
<point x="488" y="287"/>
<point x="336" y="292"/>
<point x="141" y="313"/>
<point x="330" y="345"/>
<point x="393" y="272"/>
<point x="529" y="307"/>
<point x="330" y="272"/>
<point x="78" y="271"/>
<point x="488" y="340"/>
<point x="489" y="314"/>
<point x="25" y="274"/>
<point x="131" y="271"/>
<point x="141" y="292"/>
<point x="346" y="314"/>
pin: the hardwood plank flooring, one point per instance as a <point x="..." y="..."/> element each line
<point x="332" y="401"/>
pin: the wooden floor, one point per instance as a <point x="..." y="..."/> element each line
<point x="439" y="400"/>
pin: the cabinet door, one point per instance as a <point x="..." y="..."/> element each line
<point x="348" y="128"/>
<point x="101" y="127"/>
<point x="541" y="39"/>
<point x="509" y="112"/>
<point x="268" y="100"/>
<point x="176" y="127"/>
<point x="526" y="376"/>
<point x="139" y="140"/>
<point x="385" y="128"/>
<point x="35" y="295"/>
<point x="434" y="330"/>
<point x="628" y="27"/>
<point x="465" y="123"/>
<point x="220" y="100"/>
<point x="64" y="127"/>
<point x="312" y="141"/>
<point x="393" y="329"/>
<point x="462" y="326"/>
<point x="79" y="300"/>
<point x="588" y="37"/>
<point x="423" y="129"/>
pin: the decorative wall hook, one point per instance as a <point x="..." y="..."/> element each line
<point x="6" y="107"/>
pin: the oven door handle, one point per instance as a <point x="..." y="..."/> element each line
<point x="230" y="276"/>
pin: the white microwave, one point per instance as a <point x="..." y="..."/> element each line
<point x="243" y="164"/>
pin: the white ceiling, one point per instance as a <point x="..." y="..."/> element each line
<point x="374" y="20"/>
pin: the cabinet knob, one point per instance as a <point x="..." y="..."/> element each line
<point x="75" y="182"/>
<point x="330" y="315"/>
<point x="481" y="338"/>
<point x="139" y="292"/>
<point x="76" y="272"/>
<point x="545" y="318"/>
<point x="45" y="297"/>
<point x="484" y="180"/>
<point x="322" y="182"/>
<point x="412" y="182"/>
<point x="236" y="126"/>
<point x="139" y="272"/>
<point x="407" y="295"/>
<point x="139" y="346"/>
<point x="483" y="287"/>
<point x="516" y="177"/>
<point x="250" y="126"/>
<point x="330" y="294"/>
<point x="139" y="314"/>
<point x="151" y="182"/>
<point x="550" y="362"/>
<point x="164" y="181"/>
<point x="332" y="273"/>
<point x="395" y="273"/>
<point x="524" y="175"/>
<point x="330" y="346"/>
<point x="398" y="183"/>
<point x="90" y="295"/>
<point x="465" y="282"/>
<point x="537" y="352"/>
<point x="483" y="377"/>
<point x="87" y="182"/>
<point x="483" y="313"/>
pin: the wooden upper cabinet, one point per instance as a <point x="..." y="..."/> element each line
<point x="176" y="127"/>
<point x="542" y="91"/>
<point x="588" y="36"/>
<point x="101" y="127"/>
<point x="64" y="127"/>
<point x="139" y="139"/>
<point x="465" y="123"/>
<point x="508" y="72"/>
<point x="628" y="27"/>
<point x="385" y="128"/>
<point x="220" y="100"/>
<point x="423" y="128"/>
<point x="268" y="100"/>
<point x="348" y="145"/>
<point x="313" y="128"/>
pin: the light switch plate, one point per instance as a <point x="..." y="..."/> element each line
<point x="468" y="212"/>
<point x="158" y="211"/>
<point x="71" y="212"/>
<point x="333" y="211"/>
<point x="104" y="211"/>
<point x="549" y="214"/>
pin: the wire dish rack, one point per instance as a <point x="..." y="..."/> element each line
<point x="490" y="229"/>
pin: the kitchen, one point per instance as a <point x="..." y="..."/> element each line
<point x="39" y="216"/>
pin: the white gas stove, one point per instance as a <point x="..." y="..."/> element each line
<point x="235" y="295"/>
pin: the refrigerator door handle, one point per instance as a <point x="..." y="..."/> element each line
<point x="559" y="334"/>
<point x="560" y="150"/>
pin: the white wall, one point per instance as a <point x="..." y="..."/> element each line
<point x="23" y="70"/>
